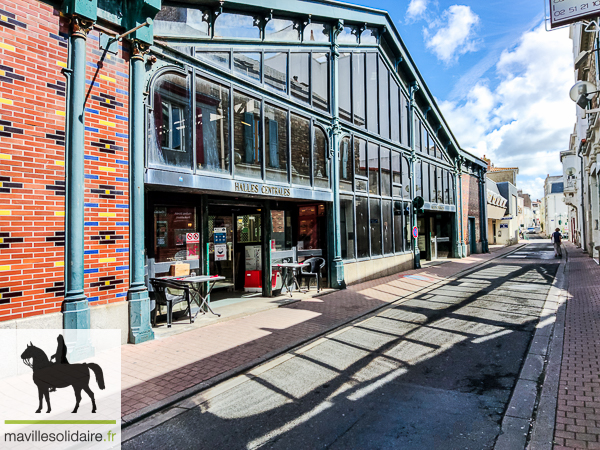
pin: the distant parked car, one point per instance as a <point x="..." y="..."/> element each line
<point x="531" y="230"/>
<point x="565" y="235"/>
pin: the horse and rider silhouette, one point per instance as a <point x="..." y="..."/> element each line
<point x="48" y="375"/>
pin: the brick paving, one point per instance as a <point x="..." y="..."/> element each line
<point x="157" y="370"/>
<point x="578" y="411"/>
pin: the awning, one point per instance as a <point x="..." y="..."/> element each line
<point x="495" y="212"/>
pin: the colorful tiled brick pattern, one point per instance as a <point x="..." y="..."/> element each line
<point x="33" y="51"/>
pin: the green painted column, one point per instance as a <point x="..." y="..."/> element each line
<point x="337" y="265"/>
<point x="483" y="212"/>
<point x="76" y="312"/>
<point x="413" y="159"/>
<point x="267" y="271"/>
<point x="458" y="221"/>
<point x="139" y="301"/>
<point x="463" y="245"/>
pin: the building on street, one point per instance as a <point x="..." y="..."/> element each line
<point x="555" y="209"/>
<point x="224" y="136"/>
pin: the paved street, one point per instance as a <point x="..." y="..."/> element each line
<point x="433" y="371"/>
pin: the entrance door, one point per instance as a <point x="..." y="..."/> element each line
<point x="220" y="248"/>
<point x="248" y="251"/>
<point x="472" y="235"/>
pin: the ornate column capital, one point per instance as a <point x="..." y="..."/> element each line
<point x="80" y="26"/>
<point x="139" y="49"/>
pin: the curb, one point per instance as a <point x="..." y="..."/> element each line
<point x="529" y="420"/>
<point x="167" y="408"/>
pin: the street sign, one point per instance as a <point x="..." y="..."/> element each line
<point x="564" y="12"/>
<point x="415" y="232"/>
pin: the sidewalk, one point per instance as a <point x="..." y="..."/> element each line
<point x="158" y="373"/>
<point x="578" y="411"/>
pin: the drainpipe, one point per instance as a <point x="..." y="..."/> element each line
<point x="139" y="301"/>
<point x="337" y="267"/>
<point x="76" y="312"/>
<point x="414" y="87"/>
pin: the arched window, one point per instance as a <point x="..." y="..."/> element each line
<point x="320" y="159"/>
<point x="170" y="130"/>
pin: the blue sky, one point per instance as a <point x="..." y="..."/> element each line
<point x="499" y="77"/>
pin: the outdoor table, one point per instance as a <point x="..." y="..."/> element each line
<point x="289" y="283"/>
<point x="196" y="282"/>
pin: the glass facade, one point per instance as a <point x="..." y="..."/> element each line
<point x="278" y="132"/>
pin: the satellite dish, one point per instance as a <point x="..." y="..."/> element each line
<point x="581" y="88"/>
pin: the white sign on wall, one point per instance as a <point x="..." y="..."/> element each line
<point x="564" y="12"/>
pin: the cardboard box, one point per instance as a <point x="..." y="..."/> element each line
<point x="179" y="270"/>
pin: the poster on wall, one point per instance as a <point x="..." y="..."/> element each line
<point x="220" y="252"/>
<point x="162" y="228"/>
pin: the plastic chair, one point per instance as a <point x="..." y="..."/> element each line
<point x="164" y="296"/>
<point x="314" y="269"/>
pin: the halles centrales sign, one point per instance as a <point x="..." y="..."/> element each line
<point x="564" y="12"/>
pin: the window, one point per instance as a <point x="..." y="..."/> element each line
<point x="407" y="227"/>
<point x="347" y="227"/>
<point x="212" y="126"/>
<point x="418" y="141"/>
<point x="171" y="225"/>
<point x="362" y="227"/>
<point x="358" y="89"/>
<point x="418" y="180"/>
<point x="320" y="159"/>
<point x="247" y="132"/>
<point x="247" y="65"/>
<point x="368" y="37"/>
<point x="234" y="26"/>
<point x="320" y="81"/>
<point x="281" y="30"/>
<point x="276" y="133"/>
<point x="300" y="150"/>
<point x="404" y="121"/>
<point x="171" y="138"/>
<point x="386" y="178"/>
<point x="441" y="184"/>
<point x="375" y="209"/>
<point x="394" y="111"/>
<point x="299" y="76"/>
<point x="388" y="244"/>
<point x="346" y="165"/>
<point x="372" y="107"/>
<point x="373" y="168"/>
<point x="316" y="32"/>
<point x="396" y="174"/>
<point x="406" y="183"/>
<point x="360" y="157"/>
<point x="281" y="222"/>
<point x="221" y="59"/>
<point x="425" y="144"/>
<point x="276" y="71"/>
<point x="174" y="21"/>
<point x="345" y="88"/>
<point x="384" y="102"/>
<point x="399" y="212"/>
<point x="425" y="192"/>
<point x="450" y="186"/>
<point x="347" y="37"/>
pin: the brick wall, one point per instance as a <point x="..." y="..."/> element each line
<point x="106" y="174"/>
<point x="32" y="123"/>
<point x="470" y="207"/>
<point x="33" y="50"/>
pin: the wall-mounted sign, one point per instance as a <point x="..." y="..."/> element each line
<point x="564" y="12"/>
<point x="503" y="225"/>
<point x="220" y="235"/>
<point x="252" y="188"/>
<point x="220" y="252"/>
<point x="192" y="238"/>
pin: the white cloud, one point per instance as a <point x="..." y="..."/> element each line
<point x="416" y="9"/>
<point x="453" y="34"/>
<point x="526" y="119"/>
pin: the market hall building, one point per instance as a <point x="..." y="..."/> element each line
<point x="227" y="135"/>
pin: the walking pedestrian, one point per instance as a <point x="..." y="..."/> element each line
<point x="557" y="240"/>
